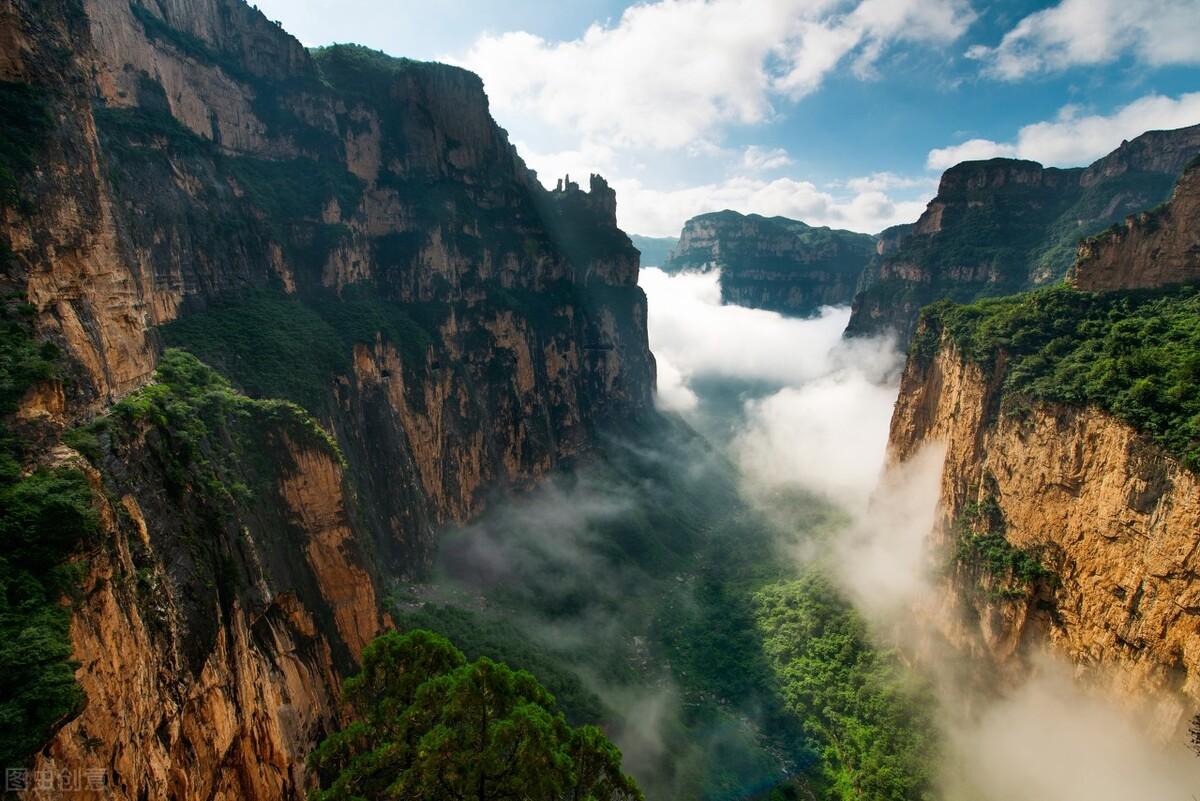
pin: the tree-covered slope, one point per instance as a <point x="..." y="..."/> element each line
<point x="1134" y="354"/>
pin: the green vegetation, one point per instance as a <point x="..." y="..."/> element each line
<point x="874" y="730"/>
<point x="1134" y="354"/>
<point x="24" y="122"/>
<point x="296" y="189"/>
<point x="361" y="71"/>
<point x="430" y="725"/>
<point x="286" y="191"/>
<point x="281" y="346"/>
<point x="498" y="639"/>
<point x="1093" y="211"/>
<point x="190" y="45"/>
<point x="654" y="585"/>
<point x="980" y="544"/>
<point x="209" y="431"/>
<point x="45" y="516"/>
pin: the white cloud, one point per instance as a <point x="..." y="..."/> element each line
<point x="1073" y="139"/>
<point x="942" y="158"/>
<point x="662" y="212"/>
<point x="881" y="181"/>
<point x="671" y="72"/>
<point x="764" y="159"/>
<point x="824" y="427"/>
<point x="1083" y="32"/>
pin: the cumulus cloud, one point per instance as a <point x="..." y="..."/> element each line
<point x="662" y="212"/>
<point x="942" y="158"/>
<point x="763" y="159"/>
<point x="671" y="72"/>
<point x="882" y="181"/>
<point x="1086" y="32"/>
<point x="1074" y="138"/>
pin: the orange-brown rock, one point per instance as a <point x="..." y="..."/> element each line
<point x="199" y="157"/>
<point x="1153" y="248"/>
<point x="1114" y="518"/>
<point x="234" y="720"/>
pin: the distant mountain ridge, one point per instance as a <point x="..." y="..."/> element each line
<point x="655" y="250"/>
<point x="1004" y="225"/>
<point x="774" y="263"/>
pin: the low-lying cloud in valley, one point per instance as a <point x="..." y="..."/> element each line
<point x="816" y="407"/>
<point x="811" y="413"/>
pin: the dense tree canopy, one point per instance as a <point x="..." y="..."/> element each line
<point x="431" y="726"/>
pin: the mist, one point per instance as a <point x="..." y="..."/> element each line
<point x="811" y="414"/>
<point x="814" y="408"/>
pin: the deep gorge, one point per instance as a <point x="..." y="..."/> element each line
<point x="300" y="357"/>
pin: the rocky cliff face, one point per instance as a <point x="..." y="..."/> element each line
<point x="1000" y="226"/>
<point x="341" y="229"/>
<point x="1152" y="248"/>
<point x="1113" y="521"/>
<point x="773" y="263"/>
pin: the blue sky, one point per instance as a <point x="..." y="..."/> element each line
<point x="839" y="112"/>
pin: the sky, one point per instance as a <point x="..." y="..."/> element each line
<point x="835" y="112"/>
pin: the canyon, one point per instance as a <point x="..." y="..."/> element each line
<point x="299" y="351"/>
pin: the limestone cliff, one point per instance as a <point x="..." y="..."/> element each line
<point x="1060" y="525"/>
<point x="344" y="230"/>
<point x="772" y="262"/>
<point x="1153" y="248"/>
<point x="1005" y="225"/>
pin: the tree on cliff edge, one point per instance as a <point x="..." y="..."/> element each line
<point x="432" y="727"/>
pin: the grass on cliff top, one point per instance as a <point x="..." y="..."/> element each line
<point x="1133" y="354"/>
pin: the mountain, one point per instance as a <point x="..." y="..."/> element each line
<point x="1152" y="248"/>
<point x="1069" y="488"/>
<point x="772" y="262"/>
<point x="1004" y="225"/>
<point x="272" y="318"/>
<point x="654" y="249"/>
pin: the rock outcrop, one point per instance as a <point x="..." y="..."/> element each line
<point x="1153" y="248"/>
<point x="1004" y="225"/>
<point x="1113" y="520"/>
<point x="463" y="328"/>
<point x="772" y="262"/>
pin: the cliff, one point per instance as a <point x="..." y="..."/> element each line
<point x="1006" y="225"/>
<point x="410" y="323"/>
<point x="1070" y="512"/>
<point x="1153" y="248"/>
<point x="772" y="262"/>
